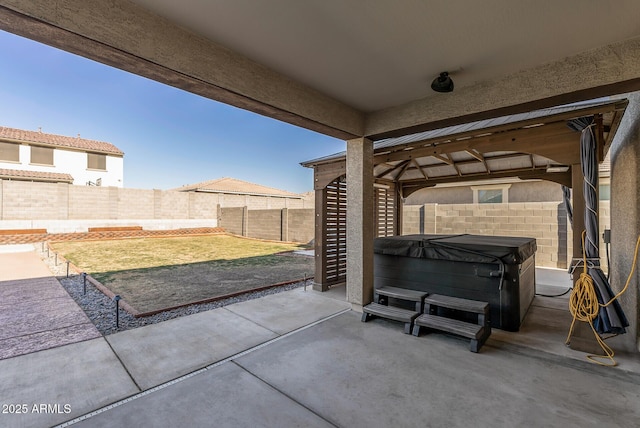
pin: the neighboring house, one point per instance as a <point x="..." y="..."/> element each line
<point x="237" y="193"/>
<point x="37" y="156"/>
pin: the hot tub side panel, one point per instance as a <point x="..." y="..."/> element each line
<point x="476" y="281"/>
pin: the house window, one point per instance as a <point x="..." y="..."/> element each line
<point x="492" y="194"/>
<point x="9" y="152"/>
<point x="605" y="192"/>
<point x="42" y="155"/>
<point x="96" y="161"/>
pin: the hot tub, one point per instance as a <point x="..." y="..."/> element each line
<point x="495" y="269"/>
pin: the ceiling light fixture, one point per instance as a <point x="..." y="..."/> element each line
<point x="442" y="83"/>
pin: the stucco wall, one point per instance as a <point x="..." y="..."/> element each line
<point x="535" y="191"/>
<point x="625" y="218"/>
<point x="529" y="191"/>
<point x="444" y="195"/>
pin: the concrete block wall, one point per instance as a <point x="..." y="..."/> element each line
<point x="233" y="200"/>
<point x="202" y="205"/>
<point x="232" y="220"/>
<point x="293" y="225"/>
<point x="263" y="202"/>
<point x="301" y="225"/>
<point x="412" y="219"/>
<point x="19" y="201"/>
<point x="545" y="221"/>
<point x="60" y="207"/>
<point x="170" y="205"/>
<point x="88" y="203"/>
<point x="537" y="220"/>
<point x="136" y="203"/>
<point x="265" y="224"/>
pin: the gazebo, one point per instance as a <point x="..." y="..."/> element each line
<point x="533" y="145"/>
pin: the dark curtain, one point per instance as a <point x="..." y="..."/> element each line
<point x="611" y="319"/>
<point x="566" y="198"/>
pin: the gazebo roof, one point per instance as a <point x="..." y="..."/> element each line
<point x="526" y="145"/>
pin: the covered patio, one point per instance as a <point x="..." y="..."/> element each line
<point x="361" y="73"/>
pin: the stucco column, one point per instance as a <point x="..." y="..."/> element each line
<point x="359" y="222"/>
<point x="625" y="219"/>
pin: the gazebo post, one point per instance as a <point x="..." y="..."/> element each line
<point x="320" y="276"/>
<point x="399" y="208"/>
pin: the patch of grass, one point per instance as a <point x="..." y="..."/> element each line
<point x="156" y="273"/>
<point x="97" y="257"/>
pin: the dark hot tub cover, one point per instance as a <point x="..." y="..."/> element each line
<point x="467" y="248"/>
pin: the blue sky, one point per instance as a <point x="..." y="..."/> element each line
<point x="170" y="137"/>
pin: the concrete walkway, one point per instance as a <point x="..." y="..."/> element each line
<point x="301" y="359"/>
<point x="36" y="313"/>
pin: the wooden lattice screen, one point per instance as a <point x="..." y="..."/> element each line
<point x="385" y="206"/>
<point x="336" y="232"/>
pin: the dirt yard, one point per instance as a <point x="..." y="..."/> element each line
<point x="157" y="273"/>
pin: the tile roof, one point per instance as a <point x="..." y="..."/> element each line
<point x="15" y="174"/>
<point x="233" y="185"/>
<point x="58" y="140"/>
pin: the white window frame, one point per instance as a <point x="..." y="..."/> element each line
<point x="17" y="147"/>
<point x="503" y="187"/>
<point x="47" y="150"/>
<point x="97" y="157"/>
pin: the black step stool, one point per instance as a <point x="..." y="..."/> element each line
<point x="380" y="307"/>
<point x="478" y="332"/>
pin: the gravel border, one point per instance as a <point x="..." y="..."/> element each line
<point x="101" y="310"/>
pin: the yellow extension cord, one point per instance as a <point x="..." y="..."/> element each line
<point x="584" y="306"/>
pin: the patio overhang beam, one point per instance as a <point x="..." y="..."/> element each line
<point x="124" y="35"/>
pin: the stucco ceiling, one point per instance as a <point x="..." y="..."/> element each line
<point x="373" y="55"/>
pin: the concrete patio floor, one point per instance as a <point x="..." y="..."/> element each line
<point x="302" y="358"/>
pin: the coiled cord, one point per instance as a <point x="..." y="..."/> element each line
<point x="584" y="306"/>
